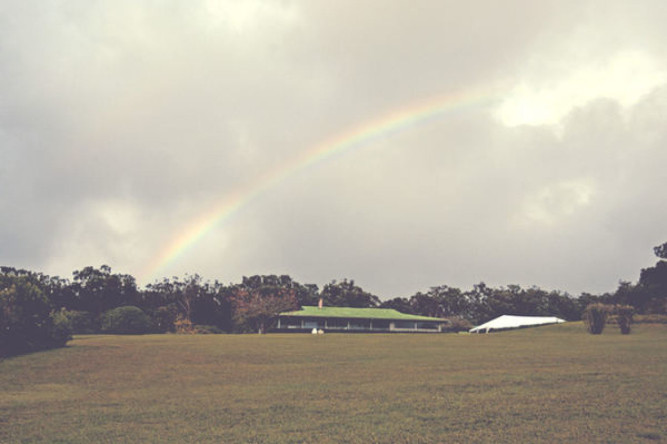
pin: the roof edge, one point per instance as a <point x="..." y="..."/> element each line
<point x="359" y="313"/>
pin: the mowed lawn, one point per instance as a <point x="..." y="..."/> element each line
<point x="547" y="384"/>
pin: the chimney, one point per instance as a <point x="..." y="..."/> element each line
<point x="319" y="305"/>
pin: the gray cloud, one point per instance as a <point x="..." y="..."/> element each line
<point x="121" y="124"/>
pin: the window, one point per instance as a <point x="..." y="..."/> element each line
<point x="427" y="325"/>
<point x="360" y="324"/>
<point x="290" y="323"/>
<point x="313" y="323"/>
<point x="380" y="324"/>
<point x="337" y="323"/>
<point x="404" y="325"/>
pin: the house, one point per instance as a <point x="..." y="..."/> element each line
<point x="348" y="319"/>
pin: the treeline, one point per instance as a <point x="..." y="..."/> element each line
<point x="39" y="311"/>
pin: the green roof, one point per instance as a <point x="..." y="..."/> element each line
<point x="363" y="313"/>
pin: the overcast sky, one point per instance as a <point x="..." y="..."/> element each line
<point x="123" y="122"/>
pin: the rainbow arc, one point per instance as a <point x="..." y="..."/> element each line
<point x="363" y="135"/>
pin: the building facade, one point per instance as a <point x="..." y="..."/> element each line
<point x="348" y="319"/>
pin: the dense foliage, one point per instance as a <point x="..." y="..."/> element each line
<point x="347" y="294"/>
<point x="27" y="319"/>
<point x="623" y="315"/>
<point x="256" y="308"/>
<point x="36" y="310"/>
<point x="125" y="320"/>
<point x="595" y="318"/>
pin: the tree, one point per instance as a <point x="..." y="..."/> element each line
<point x="306" y="294"/>
<point x="347" y="294"/>
<point x="595" y="317"/>
<point x="98" y="290"/>
<point x="126" y="320"/>
<point x="478" y="298"/>
<point x="189" y="301"/>
<point x="399" y="304"/>
<point x="661" y="251"/>
<point x="213" y="306"/>
<point x="586" y="299"/>
<point x="27" y="321"/>
<point x="650" y="295"/>
<point x="563" y="306"/>
<point x="452" y="301"/>
<point x="426" y="305"/>
<point x="623" y="315"/>
<point x="257" y="308"/>
<point x="508" y="300"/>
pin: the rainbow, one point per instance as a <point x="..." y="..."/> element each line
<point x="362" y="135"/>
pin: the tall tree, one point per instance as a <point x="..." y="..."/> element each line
<point x="426" y="304"/>
<point x="306" y="294"/>
<point x="346" y="294"/>
<point x="452" y="301"/>
<point x="98" y="290"/>
<point x="191" y="299"/>
<point x="26" y="318"/>
<point x="399" y="304"/>
<point x="651" y="291"/>
<point x="257" y="307"/>
<point x="661" y="251"/>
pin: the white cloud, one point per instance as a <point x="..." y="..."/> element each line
<point x="557" y="87"/>
<point x="244" y="16"/>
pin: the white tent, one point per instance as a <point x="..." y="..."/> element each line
<point x="509" y="321"/>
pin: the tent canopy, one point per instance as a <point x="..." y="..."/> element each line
<point x="509" y="321"/>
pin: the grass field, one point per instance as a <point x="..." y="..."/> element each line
<point x="548" y="384"/>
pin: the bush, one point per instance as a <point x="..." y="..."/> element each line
<point x="183" y="325"/>
<point x="61" y="330"/>
<point x="206" y="329"/>
<point x="650" y="319"/>
<point x="458" y="324"/>
<point x="81" y="322"/>
<point x="126" y="320"/>
<point x="595" y="318"/>
<point x="164" y="318"/>
<point x="26" y="321"/>
<point x="623" y="315"/>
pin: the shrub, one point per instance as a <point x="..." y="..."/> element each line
<point x="61" y="329"/>
<point x="623" y="315"/>
<point x="595" y="318"/>
<point x="126" y="320"/>
<point x="650" y="319"/>
<point x="458" y="324"/>
<point x="206" y="329"/>
<point x="81" y="322"/>
<point x="26" y="321"/>
<point x="183" y="325"/>
<point x="163" y="318"/>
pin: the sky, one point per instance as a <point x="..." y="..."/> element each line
<point x="403" y="145"/>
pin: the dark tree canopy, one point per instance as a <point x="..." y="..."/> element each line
<point x="254" y="304"/>
<point x="399" y="304"/>
<point x="661" y="251"/>
<point x="27" y="319"/>
<point x="306" y="294"/>
<point x="346" y="294"/>
<point x="257" y="307"/>
<point x="98" y="290"/>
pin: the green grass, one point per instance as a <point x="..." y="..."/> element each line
<point x="548" y="384"/>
